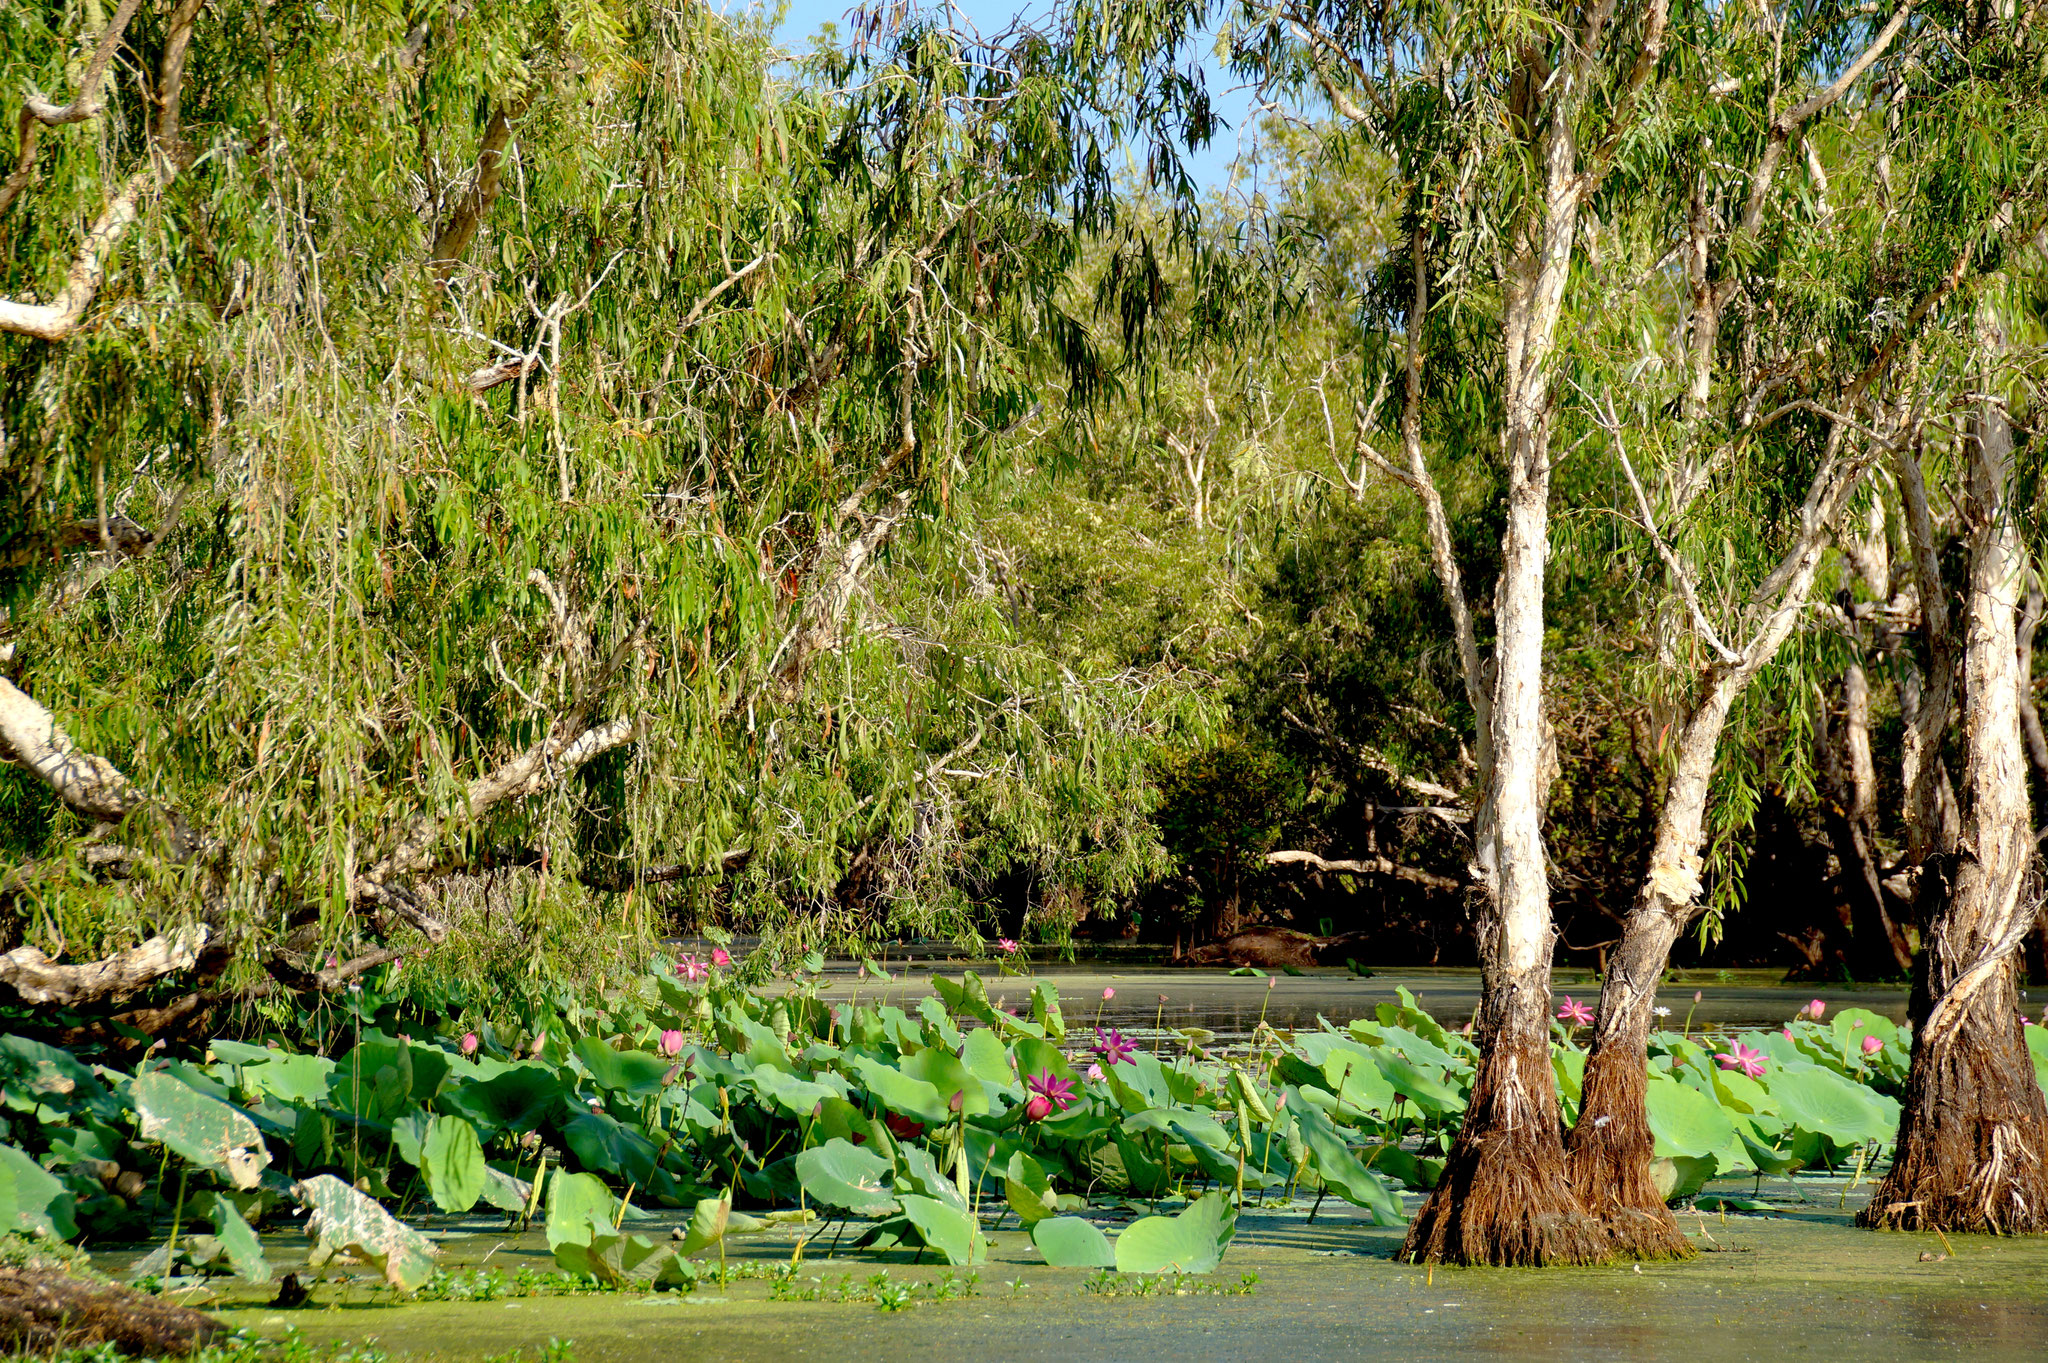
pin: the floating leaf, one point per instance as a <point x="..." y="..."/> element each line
<point x="344" y="1219"/>
<point x="1070" y="1242"/>
<point x="1192" y="1242"/>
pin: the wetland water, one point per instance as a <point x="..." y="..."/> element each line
<point x="1804" y="1282"/>
<point x="1231" y="1005"/>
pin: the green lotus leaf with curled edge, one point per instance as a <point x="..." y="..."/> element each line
<point x="1192" y="1242"/>
<point x="841" y="1174"/>
<point x="1070" y="1242"/>
<point x="211" y="1134"/>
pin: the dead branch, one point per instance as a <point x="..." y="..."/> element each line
<point x="31" y="737"/>
<point x="40" y="980"/>
<point x="1367" y="866"/>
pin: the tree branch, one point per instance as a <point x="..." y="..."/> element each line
<point x="38" y="113"/>
<point x="40" y="980"/>
<point x="1368" y="866"/>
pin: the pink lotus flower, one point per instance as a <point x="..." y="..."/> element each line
<point x="1816" y="1008"/>
<point x="1871" y="1045"/>
<point x="1744" y="1058"/>
<point x="671" y="1042"/>
<point x="1095" y="1074"/>
<point x="1789" y="1036"/>
<point x="539" y="1042"/>
<point x="1006" y="945"/>
<point x="904" y="1127"/>
<point x="1108" y="994"/>
<point x="1047" y="1095"/>
<point x="1114" y="1047"/>
<point x="720" y="956"/>
<point x="470" y="1042"/>
<point x="1574" y="1014"/>
<point x="692" y="969"/>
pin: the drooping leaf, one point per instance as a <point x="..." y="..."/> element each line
<point x="454" y="1164"/>
<point x="343" y="1219"/>
<point x="206" y="1131"/>
<point x="237" y="1238"/>
<point x="948" y="1229"/>
<point x="1341" y="1171"/>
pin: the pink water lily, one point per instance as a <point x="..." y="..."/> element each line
<point x="671" y="1042"/>
<point x="1006" y="945"/>
<point x="1871" y="1045"/>
<point x="470" y="1042"/>
<point x="1574" y="1013"/>
<point x="1745" y="1058"/>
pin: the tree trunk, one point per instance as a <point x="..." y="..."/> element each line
<point x="1880" y="949"/>
<point x="1972" y="1151"/>
<point x="1503" y="1197"/>
<point x="1610" y="1148"/>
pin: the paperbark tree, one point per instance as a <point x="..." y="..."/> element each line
<point x="1972" y="1150"/>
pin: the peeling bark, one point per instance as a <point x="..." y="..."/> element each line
<point x="1972" y="1151"/>
<point x="1610" y="1148"/>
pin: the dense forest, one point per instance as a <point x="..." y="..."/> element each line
<point x="489" y="489"/>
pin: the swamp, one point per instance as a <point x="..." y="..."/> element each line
<point x="1244" y="678"/>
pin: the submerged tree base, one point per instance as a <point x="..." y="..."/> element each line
<point x="1973" y="1139"/>
<point x="1503" y="1198"/>
<point x="1608" y="1157"/>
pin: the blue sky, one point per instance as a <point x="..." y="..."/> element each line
<point x="1211" y="169"/>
